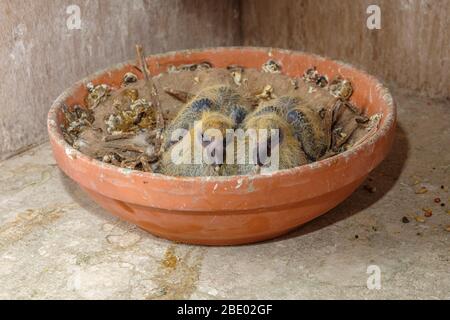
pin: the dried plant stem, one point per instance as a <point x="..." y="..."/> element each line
<point x="145" y="164"/>
<point x="352" y="108"/>
<point x="182" y="96"/>
<point x="123" y="147"/>
<point x="153" y="96"/>
<point x="113" y="137"/>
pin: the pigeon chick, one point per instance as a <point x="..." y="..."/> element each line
<point x="311" y="125"/>
<point x="201" y="152"/>
<point x="222" y="99"/>
<point x="275" y="148"/>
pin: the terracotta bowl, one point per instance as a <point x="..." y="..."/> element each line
<point x="238" y="209"/>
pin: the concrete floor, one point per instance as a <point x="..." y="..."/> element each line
<point x="56" y="243"/>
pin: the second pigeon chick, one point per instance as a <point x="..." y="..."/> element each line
<point x="310" y="125"/>
<point x="273" y="151"/>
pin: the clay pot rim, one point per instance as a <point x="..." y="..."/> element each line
<point x="56" y="136"/>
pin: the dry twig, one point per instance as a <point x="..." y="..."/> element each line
<point x="153" y="96"/>
<point x="182" y="96"/>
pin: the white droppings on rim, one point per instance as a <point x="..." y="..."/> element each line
<point x="52" y="123"/>
<point x="126" y="171"/>
<point x="315" y="165"/>
<point x="387" y="96"/>
<point x="239" y="183"/>
<point x="71" y="152"/>
<point x="250" y="187"/>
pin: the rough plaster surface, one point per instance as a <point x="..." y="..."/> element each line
<point x="56" y="243"/>
<point x="40" y="56"/>
<point x="412" y="48"/>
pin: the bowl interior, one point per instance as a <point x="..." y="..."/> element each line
<point x="369" y="94"/>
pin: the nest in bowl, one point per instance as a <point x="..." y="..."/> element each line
<point x="161" y="124"/>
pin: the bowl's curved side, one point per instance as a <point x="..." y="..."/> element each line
<point x="224" y="227"/>
<point x="202" y="195"/>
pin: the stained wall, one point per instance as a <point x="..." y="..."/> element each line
<point x="40" y="56"/>
<point x="411" y="50"/>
